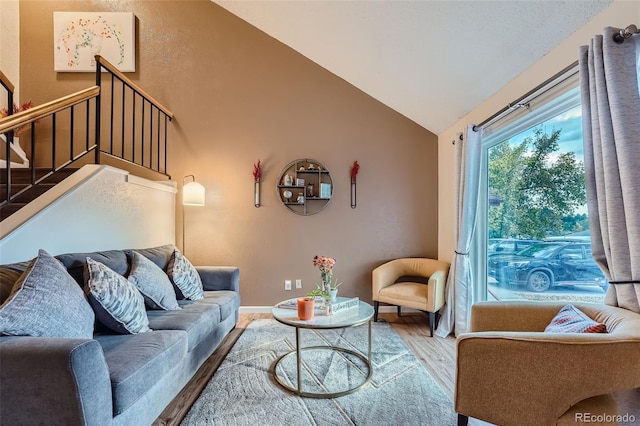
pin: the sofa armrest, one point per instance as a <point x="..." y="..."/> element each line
<point x="533" y="378"/>
<point x="220" y="277"/>
<point x="54" y="381"/>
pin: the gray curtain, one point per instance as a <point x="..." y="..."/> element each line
<point x="611" y="131"/>
<point x="460" y="282"/>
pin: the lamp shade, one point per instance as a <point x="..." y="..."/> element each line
<point x="193" y="194"/>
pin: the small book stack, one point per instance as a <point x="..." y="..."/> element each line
<point x="343" y="304"/>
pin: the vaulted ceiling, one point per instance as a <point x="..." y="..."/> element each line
<point x="432" y="61"/>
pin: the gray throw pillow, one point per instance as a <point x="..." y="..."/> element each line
<point x="46" y="301"/>
<point x="153" y="283"/>
<point x="117" y="303"/>
<point x="185" y="278"/>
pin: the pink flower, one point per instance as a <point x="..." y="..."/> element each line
<point x="257" y="171"/>
<point x="354" y="171"/>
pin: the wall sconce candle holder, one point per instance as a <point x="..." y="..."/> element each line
<point x="354" y="172"/>
<point x="257" y="174"/>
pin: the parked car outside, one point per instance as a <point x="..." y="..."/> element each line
<point x="545" y="265"/>
<point x="508" y="245"/>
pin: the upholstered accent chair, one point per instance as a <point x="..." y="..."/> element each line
<point x="415" y="282"/>
<point x="509" y="372"/>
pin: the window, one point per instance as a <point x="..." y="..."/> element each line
<point x="533" y="238"/>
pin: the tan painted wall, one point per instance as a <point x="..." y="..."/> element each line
<point x="239" y="96"/>
<point x="619" y="14"/>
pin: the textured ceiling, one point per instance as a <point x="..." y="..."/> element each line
<point x="432" y="61"/>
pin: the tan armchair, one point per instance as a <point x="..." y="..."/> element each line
<point x="510" y="373"/>
<point x="416" y="283"/>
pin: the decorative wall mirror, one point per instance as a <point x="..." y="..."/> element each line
<point x="305" y="186"/>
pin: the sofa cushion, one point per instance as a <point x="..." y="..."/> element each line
<point x="572" y="320"/>
<point x="158" y="255"/>
<point x="117" y="302"/>
<point x="116" y="260"/>
<point x="140" y="361"/>
<point x="153" y="283"/>
<point x="184" y="276"/>
<point x="227" y="301"/>
<point x="196" y="318"/>
<point x="45" y="301"/>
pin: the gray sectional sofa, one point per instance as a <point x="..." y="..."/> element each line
<point x="114" y="379"/>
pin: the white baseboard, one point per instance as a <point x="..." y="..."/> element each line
<point x="267" y="309"/>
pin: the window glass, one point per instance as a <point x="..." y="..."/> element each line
<point x="533" y="235"/>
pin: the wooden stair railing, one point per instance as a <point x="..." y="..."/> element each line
<point x="141" y="139"/>
<point x="138" y="126"/>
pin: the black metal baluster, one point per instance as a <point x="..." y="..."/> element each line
<point x="151" y="136"/>
<point x="165" y="144"/>
<point x="53" y="141"/>
<point x="158" y="144"/>
<point x="71" y="132"/>
<point x="133" y="130"/>
<point x="111" y="118"/>
<point x="123" y="96"/>
<point x="33" y="152"/>
<point x="97" y="118"/>
<point x="142" y="135"/>
<point x="87" y="125"/>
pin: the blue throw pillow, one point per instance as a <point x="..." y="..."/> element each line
<point x="117" y="302"/>
<point x="153" y="283"/>
<point x="46" y="301"/>
<point x="185" y="278"/>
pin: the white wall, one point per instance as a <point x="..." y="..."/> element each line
<point x="620" y="14"/>
<point x="10" y="46"/>
<point x="97" y="208"/>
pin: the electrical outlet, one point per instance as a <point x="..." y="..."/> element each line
<point x="298" y="283"/>
<point x="287" y="284"/>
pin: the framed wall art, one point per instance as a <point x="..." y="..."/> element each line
<point x="79" y="36"/>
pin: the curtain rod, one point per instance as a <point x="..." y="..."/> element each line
<point x="518" y="103"/>
<point x="625" y="34"/>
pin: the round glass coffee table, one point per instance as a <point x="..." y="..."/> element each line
<point x="350" y="318"/>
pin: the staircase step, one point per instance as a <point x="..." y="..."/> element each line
<point x="23" y="176"/>
<point x="10" y="209"/>
<point x="20" y="179"/>
<point x="29" y="195"/>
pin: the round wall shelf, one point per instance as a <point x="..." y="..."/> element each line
<point x="305" y="186"/>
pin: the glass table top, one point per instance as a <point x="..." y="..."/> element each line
<point x="346" y="318"/>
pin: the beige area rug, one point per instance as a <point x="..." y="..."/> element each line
<point x="243" y="391"/>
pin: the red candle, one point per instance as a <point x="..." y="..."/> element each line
<point x="305" y="308"/>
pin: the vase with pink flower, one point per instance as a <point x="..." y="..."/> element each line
<point x="328" y="289"/>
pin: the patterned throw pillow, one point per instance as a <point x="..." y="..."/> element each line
<point x="46" y="301"/>
<point x="572" y="320"/>
<point x="185" y="278"/>
<point x="117" y="303"/>
<point x="153" y="283"/>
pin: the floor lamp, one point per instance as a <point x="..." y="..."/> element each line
<point x="192" y="195"/>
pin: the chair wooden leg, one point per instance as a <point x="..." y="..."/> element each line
<point x="463" y="420"/>
<point x="376" y="305"/>
<point x="399" y="311"/>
